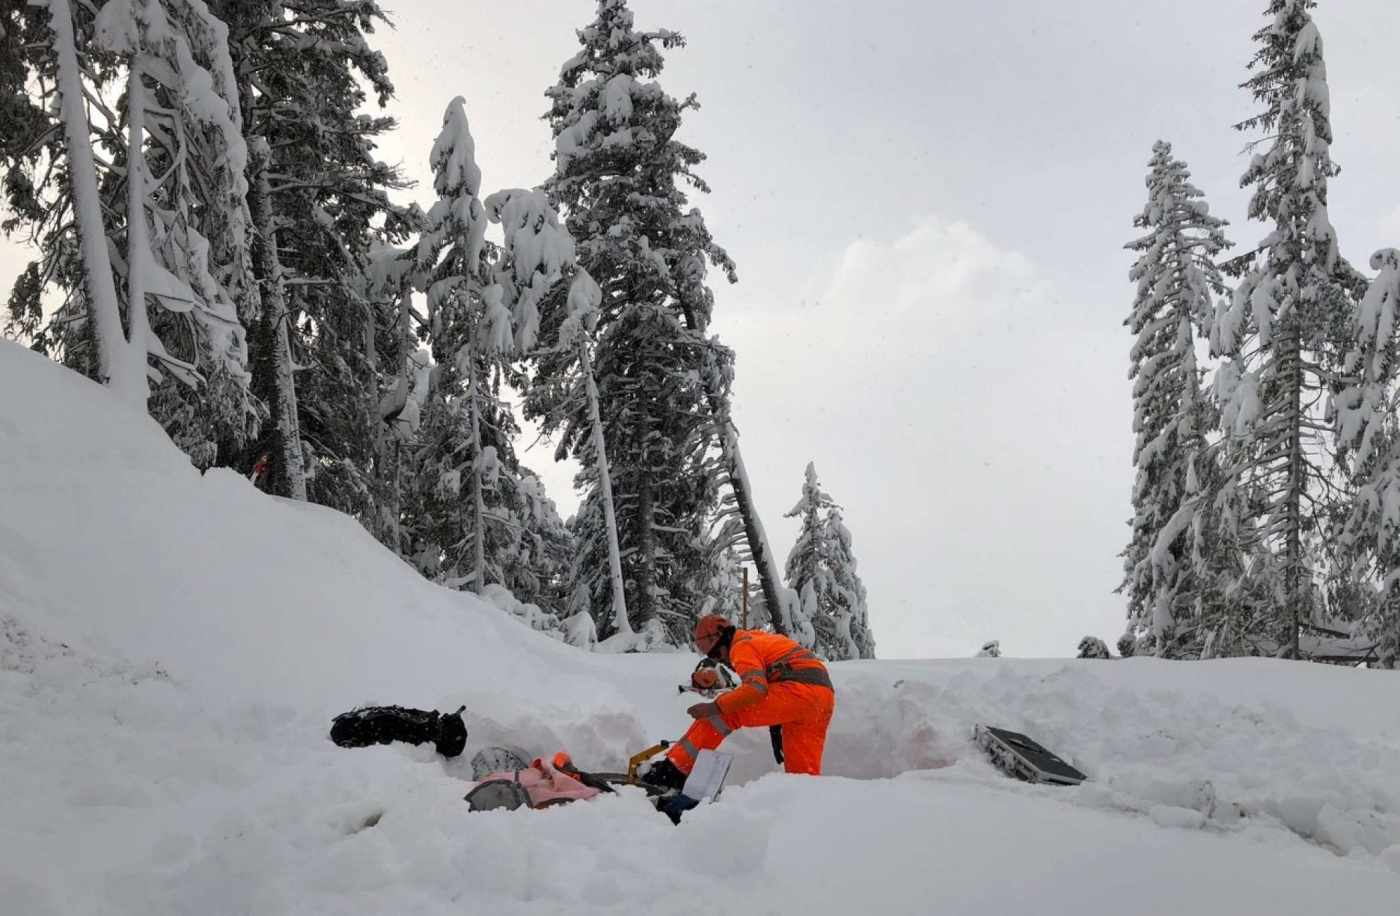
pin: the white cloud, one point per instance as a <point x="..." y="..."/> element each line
<point x="1390" y="228"/>
<point x="932" y="270"/>
<point x="969" y="421"/>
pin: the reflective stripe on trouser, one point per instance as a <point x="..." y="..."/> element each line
<point x="803" y="711"/>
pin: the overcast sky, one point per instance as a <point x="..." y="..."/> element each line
<point x="927" y="202"/>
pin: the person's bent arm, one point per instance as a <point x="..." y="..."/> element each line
<point x="753" y="686"/>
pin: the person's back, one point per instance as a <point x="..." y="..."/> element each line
<point x="779" y="658"/>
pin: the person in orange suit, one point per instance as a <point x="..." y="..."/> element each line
<point x="781" y="684"/>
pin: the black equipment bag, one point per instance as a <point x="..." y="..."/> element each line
<point x="369" y="725"/>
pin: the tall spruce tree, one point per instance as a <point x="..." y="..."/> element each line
<point x="187" y="220"/>
<point x="599" y="533"/>
<point x="806" y="562"/>
<point x="536" y="255"/>
<point x="135" y="204"/>
<point x="466" y="320"/>
<point x="483" y="307"/>
<point x="404" y="370"/>
<point x="53" y="185"/>
<point x="821" y="569"/>
<point x="40" y="184"/>
<point x="532" y="263"/>
<point x="850" y="636"/>
<point x="1369" y="435"/>
<point x="320" y="205"/>
<point x="1177" y="281"/>
<point x="1287" y="325"/>
<point x="619" y="181"/>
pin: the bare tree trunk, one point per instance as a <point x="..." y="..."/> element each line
<point x="380" y="432"/>
<point x="101" y="289"/>
<point x="769" y="577"/>
<point x="646" y="547"/>
<point x="619" y="597"/>
<point x="405" y="358"/>
<point x="478" y="509"/>
<point x="138" y="246"/>
<point x="269" y="267"/>
<point x="395" y="507"/>
<point x="1297" y="482"/>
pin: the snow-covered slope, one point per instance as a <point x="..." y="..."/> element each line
<point x="173" y="646"/>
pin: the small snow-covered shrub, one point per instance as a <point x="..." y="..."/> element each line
<point x="1093" y="647"/>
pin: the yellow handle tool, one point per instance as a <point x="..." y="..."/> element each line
<point x="642" y="757"/>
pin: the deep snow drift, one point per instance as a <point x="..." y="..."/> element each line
<point x="172" y="648"/>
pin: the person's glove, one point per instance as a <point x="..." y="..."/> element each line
<point x="703" y="710"/>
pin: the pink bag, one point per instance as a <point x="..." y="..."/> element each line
<point x="545" y="785"/>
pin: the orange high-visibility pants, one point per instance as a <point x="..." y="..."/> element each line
<point x="803" y="711"/>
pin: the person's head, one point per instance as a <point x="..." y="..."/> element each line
<point x="713" y="634"/>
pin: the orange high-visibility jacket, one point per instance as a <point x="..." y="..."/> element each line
<point x="761" y="659"/>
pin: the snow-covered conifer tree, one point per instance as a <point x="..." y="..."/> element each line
<point x="1093" y="647"/>
<point x="536" y="254"/>
<point x="187" y="219"/>
<point x="1369" y="435"/>
<point x="575" y="388"/>
<point x="112" y="364"/>
<point x="618" y="181"/>
<point x="1287" y="325"/>
<point x="483" y="305"/>
<point x="850" y="618"/>
<point x="319" y="199"/>
<point x="155" y="195"/>
<point x="538" y="567"/>
<point x="722" y="582"/>
<point x="33" y="136"/>
<point x="404" y="370"/>
<point x="467" y="319"/>
<point x="806" y="563"/>
<point x="1177" y="280"/>
<point x="821" y="569"/>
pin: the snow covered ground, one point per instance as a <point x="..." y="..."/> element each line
<point x="172" y="648"/>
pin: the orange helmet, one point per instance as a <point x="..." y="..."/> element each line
<point x="709" y="630"/>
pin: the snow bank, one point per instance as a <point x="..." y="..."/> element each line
<point x="172" y="647"/>
<point x="112" y="543"/>
<point x="1232" y="744"/>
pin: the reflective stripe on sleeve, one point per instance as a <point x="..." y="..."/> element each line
<point x="757" y="680"/>
<point x="719" y="725"/>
